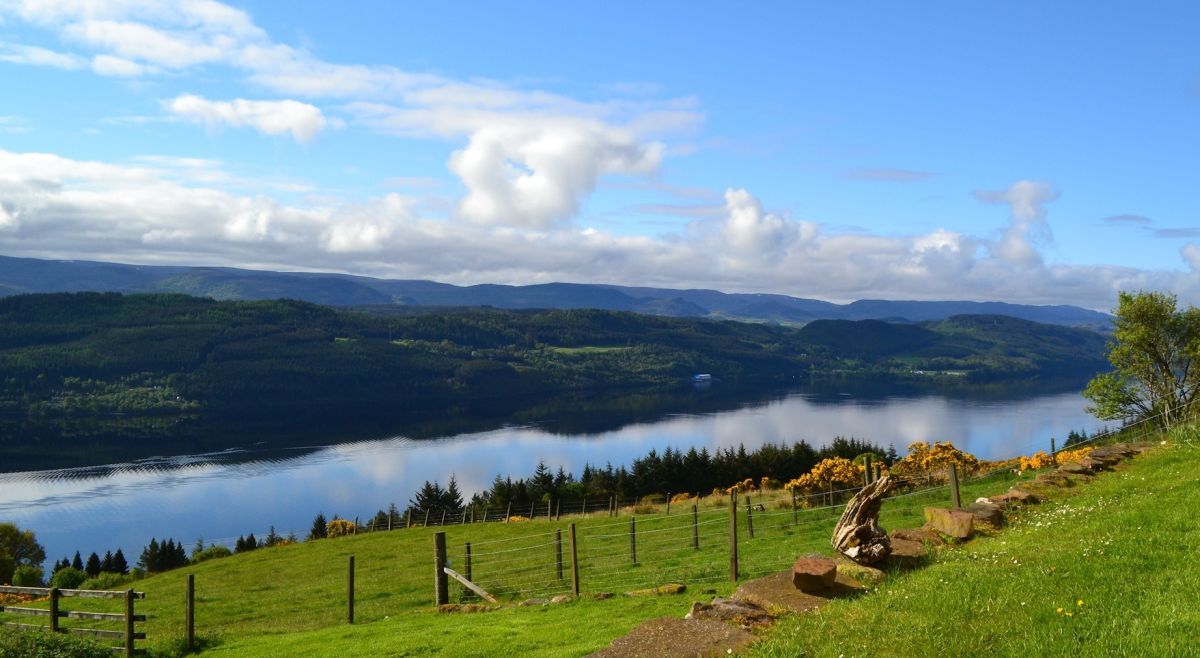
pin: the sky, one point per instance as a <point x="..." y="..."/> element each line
<point x="1016" y="151"/>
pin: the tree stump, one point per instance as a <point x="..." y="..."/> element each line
<point x="857" y="534"/>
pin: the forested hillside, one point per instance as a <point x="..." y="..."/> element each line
<point x="103" y="352"/>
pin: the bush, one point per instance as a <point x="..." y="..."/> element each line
<point x="107" y="580"/>
<point x="682" y="498"/>
<point x="7" y="566"/>
<point x="654" y="499"/>
<point x="27" y="576"/>
<point x="645" y="508"/>
<point x="67" y="578"/>
<point x="339" y="528"/>
<point x="210" y="553"/>
<point x="47" y="645"/>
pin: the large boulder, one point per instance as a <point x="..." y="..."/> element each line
<point x="1016" y="497"/>
<point x="987" y="514"/>
<point x="907" y="553"/>
<point x="813" y="573"/>
<point x="732" y="611"/>
<point x="955" y="523"/>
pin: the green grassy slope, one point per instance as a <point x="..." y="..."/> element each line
<point x="1116" y="554"/>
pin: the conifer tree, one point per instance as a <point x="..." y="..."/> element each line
<point x="319" y="530"/>
<point x="119" y="565"/>
<point x="77" y="562"/>
<point x="93" y="566"/>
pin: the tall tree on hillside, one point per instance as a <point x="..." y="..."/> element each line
<point x="77" y="562"/>
<point x="1154" y="349"/>
<point x="119" y="565"/>
<point x="319" y="527"/>
<point x="92" y="569"/>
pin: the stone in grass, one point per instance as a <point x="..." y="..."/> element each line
<point x="671" y="637"/>
<point x="1016" y="497"/>
<point x="562" y="598"/>
<point x="860" y="573"/>
<point x="812" y="573"/>
<point x="1095" y="465"/>
<point x="955" y="523"/>
<point x="733" y="611"/>
<point x="532" y="602"/>
<point x="907" y="553"/>
<point x="1074" y="468"/>
<point x="1053" y="479"/>
<point x="924" y="535"/>
<point x="465" y="607"/>
<point x="601" y="596"/>
<point x="776" y="592"/>
<point x="661" y="590"/>
<point x="987" y="514"/>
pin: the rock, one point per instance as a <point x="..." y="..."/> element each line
<point x="907" y="553"/>
<point x="1075" y="468"/>
<point x="927" y="536"/>
<point x="864" y="576"/>
<point x="527" y="603"/>
<point x="987" y="514"/>
<point x="1053" y="479"/>
<point x="813" y="573"/>
<point x="562" y="598"/>
<point x="1095" y="465"/>
<point x="950" y="522"/>
<point x="671" y="637"/>
<point x="777" y="592"/>
<point x="466" y="607"/>
<point x="743" y="613"/>
<point x="669" y="588"/>
<point x="601" y="596"/>
<point x="1016" y="497"/>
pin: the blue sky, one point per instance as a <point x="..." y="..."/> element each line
<point x="1012" y="151"/>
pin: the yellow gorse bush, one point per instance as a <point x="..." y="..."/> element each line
<point x="837" y="471"/>
<point x="1036" y="461"/>
<point x="742" y="487"/>
<point x="339" y="528"/>
<point x="681" y="498"/>
<point x="1067" y="456"/>
<point x="923" y="458"/>
<point x="515" y="518"/>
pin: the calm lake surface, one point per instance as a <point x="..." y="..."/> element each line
<point x="221" y="495"/>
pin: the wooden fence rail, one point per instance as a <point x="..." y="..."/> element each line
<point x="128" y="635"/>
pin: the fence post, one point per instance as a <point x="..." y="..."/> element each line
<point x="441" y="589"/>
<point x="668" y="504"/>
<point x="54" y="594"/>
<point x="129" y="650"/>
<point x="350" y="592"/>
<point x="549" y="510"/>
<point x="467" y="564"/>
<point x="832" y="511"/>
<point x="1052" y="447"/>
<point x="408" y="519"/>
<point x="583" y="510"/>
<point x="632" y="540"/>
<point x="733" y="552"/>
<point x="574" y="561"/>
<point x="954" y="495"/>
<point x="558" y="510"/>
<point x="508" y="513"/>
<point x="390" y="515"/>
<point x="867" y="470"/>
<point x="749" y="516"/>
<point x="425" y="523"/>
<point x="695" y="526"/>
<point x="795" y="512"/>
<point x="191" y="612"/>
<point x="612" y="506"/>
<point x="558" y="553"/>
<point x="355" y="532"/>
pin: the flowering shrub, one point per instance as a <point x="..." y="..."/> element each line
<point x="768" y="483"/>
<point x="682" y="498"/>
<point x="923" y="458"/>
<point x="742" y="487"/>
<point x="836" y="471"/>
<point x="339" y="528"/>
<point x="1038" y="460"/>
<point x="517" y="518"/>
<point x="1073" y="455"/>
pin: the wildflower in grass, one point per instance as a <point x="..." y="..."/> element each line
<point x="1079" y="603"/>
<point x="1060" y="611"/>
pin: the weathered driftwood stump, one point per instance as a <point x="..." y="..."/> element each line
<point x="857" y="534"/>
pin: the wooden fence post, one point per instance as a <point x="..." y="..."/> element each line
<point x="558" y="553"/>
<point x="408" y="519"/>
<point x="695" y="526"/>
<point x="355" y="532"/>
<point x="795" y="512"/>
<point x="583" y="510"/>
<point x="440" y="585"/>
<point x="425" y="523"/>
<point x="129" y="649"/>
<point x="191" y="612"/>
<point x="549" y="510"/>
<point x="749" y="517"/>
<point x="668" y="504"/>
<point x="54" y="596"/>
<point x="558" y="510"/>
<point x="632" y="540"/>
<point x="350" y="592"/>
<point x="954" y="495"/>
<point x="612" y="506"/>
<point x="832" y="511"/>
<point x="867" y="471"/>
<point x="1053" y="449"/>
<point x="574" y="561"/>
<point x="467" y="564"/>
<point x="733" y="549"/>
<point x="508" y="513"/>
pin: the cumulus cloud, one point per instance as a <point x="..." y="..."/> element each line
<point x="64" y="208"/>
<point x="301" y="120"/>
<point x="1027" y="207"/>
<point x="38" y="56"/>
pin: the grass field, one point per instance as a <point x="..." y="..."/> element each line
<point x="292" y="599"/>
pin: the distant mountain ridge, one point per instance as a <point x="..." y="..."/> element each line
<point x="29" y="275"/>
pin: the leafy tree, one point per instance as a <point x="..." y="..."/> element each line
<point x="1153" y="351"/>
<point x="21" y="545"/>
<point x="7" y="566"/>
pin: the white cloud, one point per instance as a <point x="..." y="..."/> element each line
<point x="38" y="56"/>
<point x="1027" y="203"/>
<point x="301" y="120"/>
<point x="63" y="208"/>
<point x="119" y="67"/>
